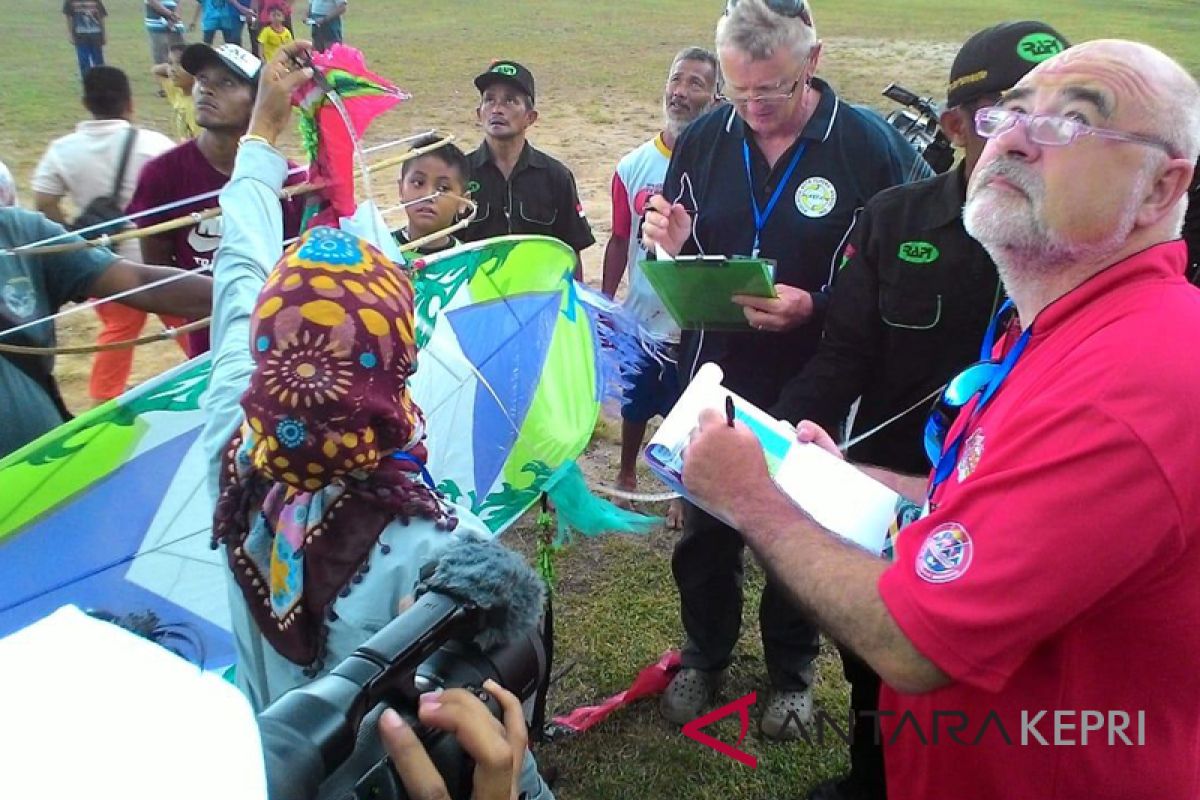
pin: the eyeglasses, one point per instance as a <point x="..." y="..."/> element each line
<point x="765" y="98"/>
<point x="1051" y="130"/>
<point x="793" y="9"/>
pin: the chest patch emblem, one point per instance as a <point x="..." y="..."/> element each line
<point x="946" y="554"/>
<point x="918" y="253"/>
<point x="816" y="197"/>
<point x="972" y="453"/>
<point x="19" y="297"/>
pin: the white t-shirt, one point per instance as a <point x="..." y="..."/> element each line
<point x="639" y="177"/>
<point x="8" y="187"/>
<point x="82" y="165"/>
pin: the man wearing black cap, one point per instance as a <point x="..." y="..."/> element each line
<point x="224" y="91"/>
<point x="910" y="305"/>
<point x="519" y="188"/>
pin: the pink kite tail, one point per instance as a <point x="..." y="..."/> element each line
<point x="650" y="681"/>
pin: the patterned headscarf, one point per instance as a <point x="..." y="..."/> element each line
<point x="330" y="451"/>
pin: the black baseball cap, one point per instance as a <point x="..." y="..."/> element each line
<point x="237" y="60"/>
<point x="996" y="58"/>
<point x="505" y="71"/>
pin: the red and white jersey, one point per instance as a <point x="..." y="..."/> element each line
<point x="639" y="177"/>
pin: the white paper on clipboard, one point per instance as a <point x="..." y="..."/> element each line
<point x="839" y="496"/>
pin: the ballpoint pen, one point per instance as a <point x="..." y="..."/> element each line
<point x="729" y="409"/>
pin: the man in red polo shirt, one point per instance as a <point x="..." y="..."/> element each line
<point x="1039" y="628"/>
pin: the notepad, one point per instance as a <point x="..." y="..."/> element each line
<point x="839" y="496"/>
<point x="697" y="290"/>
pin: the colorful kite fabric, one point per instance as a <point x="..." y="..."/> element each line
<point x="349" y="96"/>
<point x="110" y="511"/>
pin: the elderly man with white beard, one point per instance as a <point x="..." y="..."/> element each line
<point x="690" y="91"/>
<point x="1046" y="598"/>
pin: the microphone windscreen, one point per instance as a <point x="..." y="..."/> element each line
<point x="495" y="578"/>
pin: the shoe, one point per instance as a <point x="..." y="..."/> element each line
<point x="689" y="694"/>
<point x="786" y="712"/>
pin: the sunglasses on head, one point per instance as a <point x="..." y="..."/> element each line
<point x="793" y="9"/>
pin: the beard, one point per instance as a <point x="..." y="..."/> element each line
<point x="675" y="120"/>
<point x="1012" y="227"/>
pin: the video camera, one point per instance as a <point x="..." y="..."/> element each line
<point x="917" y="122"/>
<point x="475" y="617"/>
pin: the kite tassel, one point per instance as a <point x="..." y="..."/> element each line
<point x="577" y="509"/>
<point x="625" y="345"/>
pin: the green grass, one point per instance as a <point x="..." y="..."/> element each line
<point x="599" y="67"/>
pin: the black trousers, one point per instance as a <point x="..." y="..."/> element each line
<point x="866" y="755"/>
<point x="710" y="573"/>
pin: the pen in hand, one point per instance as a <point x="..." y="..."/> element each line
<point x="729" y="409"/>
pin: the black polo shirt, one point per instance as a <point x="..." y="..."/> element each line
<point x="539" y="197"/>
<point x="850" y="154"/>
<point x="908" y="311"/>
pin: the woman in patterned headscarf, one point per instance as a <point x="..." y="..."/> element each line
<point x="323" y="504"/>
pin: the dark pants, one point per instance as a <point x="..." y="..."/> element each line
<point x="326" y="35"/>
<point x="709" y="572"/>
<point x="231" y="35"/>
<point x="90" y="53"/>
<point x="866" y="755"/>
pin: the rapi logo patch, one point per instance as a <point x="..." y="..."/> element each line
<point x="816" y="197"/>
<point x="946" y="554"/>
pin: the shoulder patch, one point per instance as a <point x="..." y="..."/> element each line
<point x="946" y="554"/>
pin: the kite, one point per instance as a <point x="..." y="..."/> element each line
<point x="335" y="110"/>
<point x="111" y="510"/>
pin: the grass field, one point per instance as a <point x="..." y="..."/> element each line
<point x="600" y="68"/>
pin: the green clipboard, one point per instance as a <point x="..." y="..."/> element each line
<point x="696" y="290"/>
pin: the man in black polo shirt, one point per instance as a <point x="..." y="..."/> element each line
<point x="910" y="305"/>
<point x="519" y="188"/>
<point x="781" y="172"/>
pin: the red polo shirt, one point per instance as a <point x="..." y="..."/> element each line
<point x="1056" y="579"/>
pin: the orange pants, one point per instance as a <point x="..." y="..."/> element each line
<point x="111" y="368"/>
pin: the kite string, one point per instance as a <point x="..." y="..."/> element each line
<point x="198" y="198"/>
<point x="75" y="309"/>
<point x="93" y="303"/>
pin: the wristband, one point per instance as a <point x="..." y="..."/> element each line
<point x="254" y="137"/>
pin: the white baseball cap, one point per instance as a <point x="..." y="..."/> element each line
<point x="239" y="61"/>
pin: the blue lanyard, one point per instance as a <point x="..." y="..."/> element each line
<point x="949" y="457"/>
<point x="401" y="455"/>
<point x="760" y="216"/>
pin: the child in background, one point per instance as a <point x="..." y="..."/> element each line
<point x="275" y="35"/>
<point x="442" y="170"/>
<point x="85" y="30"/>
<point x="177" y="88"/>
<point x="255" y="24"/>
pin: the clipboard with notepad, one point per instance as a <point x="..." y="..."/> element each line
<point x="836" y="494"/>
<point x="697" y="290"/>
